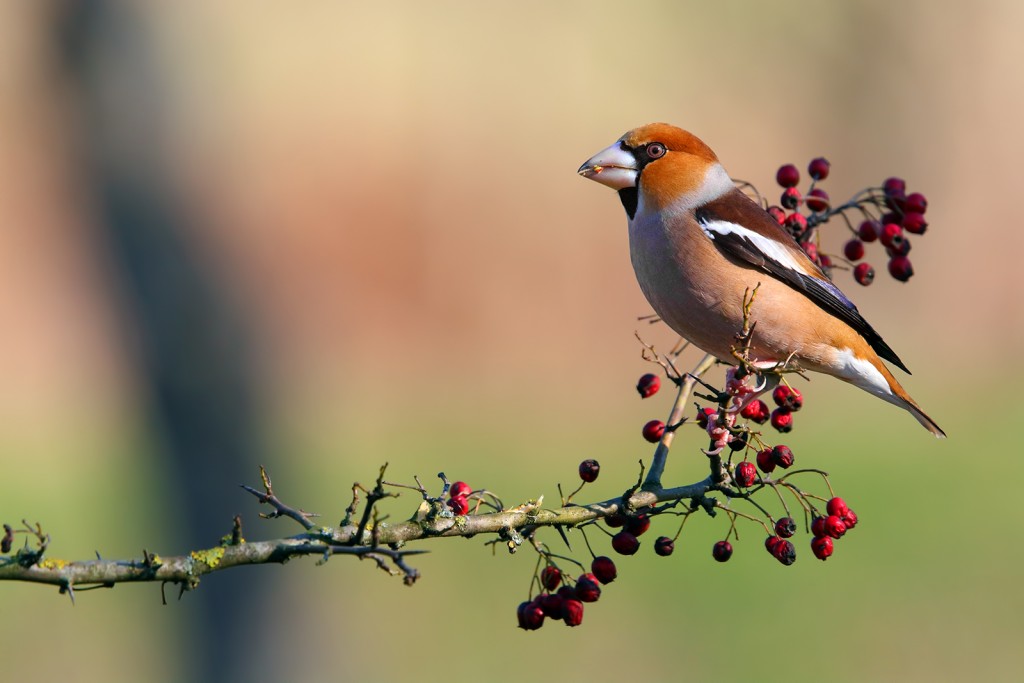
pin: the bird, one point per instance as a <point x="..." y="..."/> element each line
<point x="698" y="244"/>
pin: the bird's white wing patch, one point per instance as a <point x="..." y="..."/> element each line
<point x="770" y="248"/>
<point x="862" y="374"/>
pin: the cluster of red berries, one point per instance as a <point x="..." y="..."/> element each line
<point x="458" y="497"/>
<point x="833" y="526"/>
<point x="563" y="602"/>
<point x="897" y="212"/>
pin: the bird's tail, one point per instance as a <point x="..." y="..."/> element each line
<point x="864" y="373"/>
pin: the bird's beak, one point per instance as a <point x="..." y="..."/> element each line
<point x="615" y="167"/>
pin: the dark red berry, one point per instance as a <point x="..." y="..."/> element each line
<point x="850" y="519"/>
<point x="572" y="612"/>
<point x="756" y="411"/>
<point x="459" y="505"/>
<point x="567" y="592"/>
<point x="785" y="527"/>
<point x="615" y="520"/>
<point x="777" y="213"/>
<point x="817" y="200"/>
<point x="738" y="441"/>
<point x="771" y="542"/>
<point x="550" y="577"/>
<point x="914" y="222"/>
<point x="702" y="416"/>
<point x="837" y="506"/>
<point x="916" y="203"/>
<point x="638" y="525"/>
<point x="530" y="615"/>
<point x="868" y="230"/>
<point x="854" y="250"/>
<point x="589" y="469"/>
<point x="604" y="569"/>
<point x="900" y="247"/>
<point x="745" y="474"/>
<point x="664" y="546"/>
<point x="834" y="527"/>
<point x="826" y="261"/>
<point x="765" y="461"/>
<point x="818" y="526"/>
<point x="864" y="274"/>
<point x="894" y="186"/>
<point x="551" y="605"/>
<point x="790" y="199"/>
<point x="818" y="168"/>
<point x="901" y="268"/>
<point x="890" y="231"/>
<point x="459" y="489"/>
<point x="782" y="456"/>
<point x="782" y="419"/>
<point x="588" y="589"/>
<point x="625" y="543"/>
<point x="788" y="397"/>
<point x="787" y="175"/>
<point x="722" y="551"/>
<point x="648" y="385"/>
<point x="784" y="552"/>
<point x="896" y="202"/>
<point x="822" y="547"/>
<point x="8" y="539"/>
<point x="811" y="249"/>
<point x="654" y="430"/>
<point x="795" y="223"/>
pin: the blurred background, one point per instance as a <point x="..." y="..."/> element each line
<point x="323" y="235"/>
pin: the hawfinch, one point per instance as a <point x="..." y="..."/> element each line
<point x="697" y="243"/>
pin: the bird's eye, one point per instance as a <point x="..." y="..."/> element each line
<point x="656" y="150"/>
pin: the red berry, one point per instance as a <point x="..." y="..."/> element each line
<point x="822" y="547"/>
<point x="765" y="460"/>
<point x="771" y="542"/>
<point x="896" y="202"/>
<point x="837" y="506"/>
<point x="722" y="551"/>
<point x="648" y="385"/>
<point x="790" y="199"/>
<point x="625" y="543"/>
<point x="777" y="213"/>
<point x="615" y="521"/>
<point x="796" y="223"/>
<point x="811" y="249"/>
<point x="745" y="474"/>
<point x="550" y="577"/>
<point x="654" y="430"/>
<point x="818" y="526"/>
<point x="785" y="527"/>
<point x="901" y="268"/>
<point x="864" y="274"/>
<point x="664" y="546"/>
<point x="604" y="569"/>
<point x="782" y="419"/>
<point x="702" y="416"/>
<point x="589" y="469"/>
<point x="916" y="202"/>
<point x="894" y="186"/>
<point x="530" y="615"/>
<point x="638" y="525"/>
<point x="756" y="411"/>
<point x="459" y="489"/>
<point x="818" y="168"/>
<point x="588" y="589"/>
<point x="572" y="612"/>
<point x="914" y="222"/>
<point x="787" y="175"/>
<point x="784" y="552"/>
<point x="890" y="231"/>
<point x="826" y="261"/>
<point x="850" y="519"/>
<point x="817" y="200"/>
<point x="900" y="247"/>
<point x="459" y="505"/>
<point x="868" y="230"/>
<point x="834" y="527"/>
<point x="551" y="604"/>
<point x="854" y="250"/>
<point x="788" y="397"/>
<point x="782" y="456"/>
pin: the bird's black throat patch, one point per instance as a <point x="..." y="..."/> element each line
<point x="630" y="197"/>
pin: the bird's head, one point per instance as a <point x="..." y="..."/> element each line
<point x="664" y="164"/>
